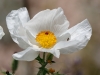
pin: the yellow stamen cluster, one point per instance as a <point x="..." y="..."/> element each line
<point x="46" y="39"/>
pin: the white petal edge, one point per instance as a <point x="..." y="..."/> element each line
<point x="1" y="32"/>
<point x="80" y="35"/>
<point x="21" y="41"/>
<point x="83" y="27"/>
<point x="26" y="55"/>
<point x="17" y="18"/>
<point x="15" y="23"/>
<point x="53" y="20"/>
<point x="53" y="51"/>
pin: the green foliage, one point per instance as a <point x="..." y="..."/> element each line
<point x="14" y="66"/>
<point x="49" y="57"/>
<point x="42" y="71"/>
<point x="41" y="61"/>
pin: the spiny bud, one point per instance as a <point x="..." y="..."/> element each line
<point x="49" y="61"/>
<point x="7" y="72"/>
<point x="51" y="70"/>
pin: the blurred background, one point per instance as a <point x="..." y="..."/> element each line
<point x="84" y="62"/>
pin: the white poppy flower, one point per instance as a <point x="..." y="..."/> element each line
<point x="47" y="31"/>
<point x="1" y="32"/>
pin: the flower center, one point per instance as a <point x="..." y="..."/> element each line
<point x="46" y="39"/>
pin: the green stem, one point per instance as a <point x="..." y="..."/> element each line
<point x="40" y="71"/>
<point x="44" y="56"/>
<point x="42" y="68"/>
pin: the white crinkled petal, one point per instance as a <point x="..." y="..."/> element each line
<point x="83" y="28"/>
<point x="27" y="55"/>
<point x="15" y="23"/>
<point x="31" y="38"/>
<point x="53" y="51"/>
<point x="1" y="32"/>
<point x="21" y="41"/>
<point x="64" y="37"/>
<point x="53" y="20"/>
<point x="68" y="46"/>
<point x="80" y="35"/>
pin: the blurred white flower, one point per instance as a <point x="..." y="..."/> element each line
<point x="47" y="31"/>
<point x="1" y="32"/>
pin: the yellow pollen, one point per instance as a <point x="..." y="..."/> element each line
<point x="46" y="39"/>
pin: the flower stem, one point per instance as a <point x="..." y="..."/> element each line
<point x="42" y="69"/>
<point x="44" y="56"/>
